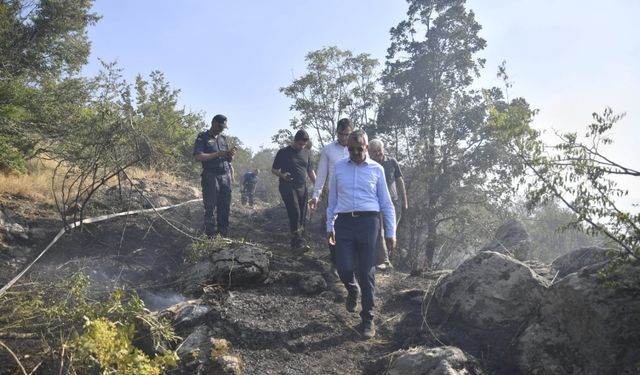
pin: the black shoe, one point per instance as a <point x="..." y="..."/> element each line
<point x="369" y="329"/>
<point x="210" y="231"/>
<point x="352" y="301"/>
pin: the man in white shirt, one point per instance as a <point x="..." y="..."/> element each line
<point x="329" y="156"/>
<point x="358" y="194"/>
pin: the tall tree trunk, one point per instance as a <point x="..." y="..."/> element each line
<point x="432" y="191"/>
<point x="430" y="247"/>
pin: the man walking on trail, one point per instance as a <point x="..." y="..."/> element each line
<point x="249" y="183"/>
<point x="329" y="156"/>
<point x="395" y="183"/>
<point x="357" y="195"/>
<point x="212" y="150"/>
<point x="292" y="165"/>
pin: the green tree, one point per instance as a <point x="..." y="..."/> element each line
<point x="168" y="130"/>
<point x="437" y="122"/>
<point x="100" y="144"/>
<point x="577" y="173"/>
<point x="337" y="84"/>
<point x="245" y="160"/>
<point x="42" y="45"/>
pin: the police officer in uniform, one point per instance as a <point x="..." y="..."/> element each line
<point x="212" y="150"/>
<point x="249" y="183"/>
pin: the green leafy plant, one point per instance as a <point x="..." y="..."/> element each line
<point x="70" y="326"/>
<point x="109" y="345"/>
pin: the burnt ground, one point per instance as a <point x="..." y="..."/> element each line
<point x="273" y="326"/>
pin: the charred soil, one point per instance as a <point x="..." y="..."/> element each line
<point x="274" y="326"/>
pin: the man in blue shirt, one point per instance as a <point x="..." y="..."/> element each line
<point x="358" y="193"/>
<point x="212" y="150"/>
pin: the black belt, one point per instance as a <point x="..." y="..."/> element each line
<point x="217" y="172"/>
<point x="358" y="213"/>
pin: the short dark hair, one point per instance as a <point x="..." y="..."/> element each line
<point x="301" y="135"/>
<point x="343" y="124"/>
<point x="219" y="119"/>
<point x="359" y="136"/>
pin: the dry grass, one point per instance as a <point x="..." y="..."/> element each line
<point x="142" y="174"/>
<point x="36" y="183"/>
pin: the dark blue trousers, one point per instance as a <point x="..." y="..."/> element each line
<point x="216" y="196"/>
<point x="357" y="241"/>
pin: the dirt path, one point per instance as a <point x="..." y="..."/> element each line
<point x="274" y="326"/>
<point x="279" y="330"/>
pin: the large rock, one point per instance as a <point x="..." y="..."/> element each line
<point x="12" y="231"/>
<point x="194" y="350"/>
<point x="484" y="303"/>
<point x="187" y="313"/>
<point x="313" y="284"/>
<point x="202" y="354"/>
<point x="585" y="327"/>
<point x="444" y="360"/>
<point x="512" y="239"/>
<point x="578" y="259"/>
<point x="491" y="290"/>
<point x="243" y="265"/>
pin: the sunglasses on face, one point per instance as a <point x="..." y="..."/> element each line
<point x="356" y="149"/>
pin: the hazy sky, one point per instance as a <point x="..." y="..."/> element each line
<point x="568" y="58"/>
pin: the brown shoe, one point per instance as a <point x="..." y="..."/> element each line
<point x="369" y="329"/>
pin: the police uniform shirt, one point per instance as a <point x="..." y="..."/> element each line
<point x="207" y="143"/>
<point x="250" y="179"/>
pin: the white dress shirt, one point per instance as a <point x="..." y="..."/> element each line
<point x="360" y="187"/>
<point x="329" y="156"/>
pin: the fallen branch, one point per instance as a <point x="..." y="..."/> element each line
<point x="14" y="357"/>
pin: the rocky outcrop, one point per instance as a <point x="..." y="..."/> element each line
<point x="187" y="313"/>
<point x="313" y="284"/>
<point x="584" y="327"/>
<point x="444" y="360"/>
<point x="512" y="239"/>
<point x="484" y="303"/>
<point x="490" y="291"/>
<point x="10" y="231"/>
<point x="578" y="259"/>
<point x="246" y="264"/>
<point x="200" y="353"/>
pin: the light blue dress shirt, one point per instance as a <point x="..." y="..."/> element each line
<point x="360" y="187"/>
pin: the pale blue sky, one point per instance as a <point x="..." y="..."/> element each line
<point x="568" y="58"/>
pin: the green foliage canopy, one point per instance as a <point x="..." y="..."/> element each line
<point x="337" y="84"/>
<point x="437" y="123"/>
<point x="578" y="173"/>
<point x="42" y="45"/>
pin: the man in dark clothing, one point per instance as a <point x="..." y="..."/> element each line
<point x="212" y="150"/>
<point x="249" y="183"/>
<point x="293" y="164"/>
<point x="395" y="183"/>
